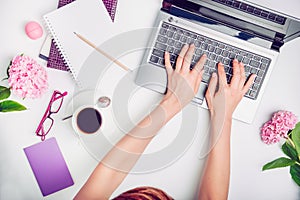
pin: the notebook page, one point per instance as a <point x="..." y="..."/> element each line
<point x="90" y="19"/>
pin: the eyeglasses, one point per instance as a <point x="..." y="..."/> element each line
<point x="53" y="107"/>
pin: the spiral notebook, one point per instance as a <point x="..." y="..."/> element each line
<point x="53" y="57"/>
<point x="90" y="19"/>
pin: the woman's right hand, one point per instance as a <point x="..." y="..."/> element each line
<point x="224" y="100"/>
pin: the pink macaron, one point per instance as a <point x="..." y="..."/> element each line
<point x="33" y="30"/>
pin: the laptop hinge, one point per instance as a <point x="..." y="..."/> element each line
<point x="278" y="41"/>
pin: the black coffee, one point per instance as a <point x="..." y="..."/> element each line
<point x="89" y="120"/>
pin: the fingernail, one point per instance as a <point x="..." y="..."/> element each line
<point x="214" y="75"/>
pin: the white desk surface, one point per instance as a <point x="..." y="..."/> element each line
<point x="249" y="154"/>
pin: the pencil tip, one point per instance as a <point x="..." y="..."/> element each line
<point x="75" y="33"/>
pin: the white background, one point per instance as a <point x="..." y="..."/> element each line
<point x="249" y="154"/>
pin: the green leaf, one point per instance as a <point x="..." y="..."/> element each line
<point x="9" y="106"/>
<point x="4" y="92"/>
<point x="7" y="70"/>
<point x="296" y="137"/>
<point x="290" y="151"/>
<point x="279" y="162"/>
<point x="295" y="173"/>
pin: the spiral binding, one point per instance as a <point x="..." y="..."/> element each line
<point x="61" y="50"/>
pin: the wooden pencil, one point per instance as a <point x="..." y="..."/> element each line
<point x="102" y="52"/>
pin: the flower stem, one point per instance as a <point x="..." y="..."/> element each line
<point x="291" y="142"/>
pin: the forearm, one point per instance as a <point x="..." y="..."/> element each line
<point x="115" y="166"/>
<point x="215" y="181"/>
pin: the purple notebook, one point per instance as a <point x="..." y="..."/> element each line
<point x="55" y="60"/>
<point x="48" y="166"/>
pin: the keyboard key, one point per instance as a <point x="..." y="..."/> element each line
<point x="173" y="29"/>
<point x="163" y="31"/>
<point x="250" y="9"/>
<point x="200" y="38"/>
<point x="179" y="31"/>
<point x="236" y="4"/>
<point x="280" y="19"/>
<point x="226" y="61"/>
<point x="228" y="48"/>
<point x="243" y="6"/>
<point x="211" y="48"/>
<point x="161" y="61"/>
<point x="257" y="58"/>
<point x="247" y="68"/>
<point x="170" y="49"/>
<point x="160" y="46"/>
<point x="176" y="36"/>
<point x="218" y="51"/>
<point x="228" y="77"/>
<point x="158" y="53"/>
<point x="265" y="60"/>
<point x="212" y="64"/>
<point x="260" y="73"/>
<point x="249" y="55"/>
<point x="177" y="51"/>
<point x="225" y="53"/>
<point x="162" y="39"/>
<point x="229" y="2"/>
<point x="232" y="55"/>
<point x="154" y="59"/>
<point x="204" y="46"/>
<point x="170" y="34"/>
<point x="252" y="93"/>
<point x="263" y="66"/>
<point x="271" y="16"/>
<point x="254" y="63"/>
<point x="199" y="52"/>
<point x="183" y="39"/>
<point x="165" y="25"/>
<point x="194" y="36"/>
<point x="178" y="45"/>
<point x="257" y="11"/>
<point x="173" y="57"/>
<point x="253" y="71"/>
<point x="222" y="46"/>
<point x="264" y="14"/>
<point x="255" y="86"/>
<point x="197" y="43"/>
<point x="239" y="58"/>
<point x="220" y="59"/>
<point x="257" y="80"/>
<point x="186" y="33"/>
<point x="171" y="42"/>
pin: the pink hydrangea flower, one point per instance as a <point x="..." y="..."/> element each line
<point x="268" y="133"/>
<point x="284" y="121"/>
<point x="278" y="127"/>
<point x="27" y="78"/>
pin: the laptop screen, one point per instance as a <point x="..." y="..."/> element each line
<point x="253" y="20"/>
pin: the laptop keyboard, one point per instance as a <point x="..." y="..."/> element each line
<point x="253" y="11"/>
<point x="172" y="38"/>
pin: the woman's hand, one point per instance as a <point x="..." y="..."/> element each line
<point x="224" y="100"/>
<point x="183" y="83"/>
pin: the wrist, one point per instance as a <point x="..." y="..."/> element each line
<point x="221" y="117"/>
<point x="171" y="107"/>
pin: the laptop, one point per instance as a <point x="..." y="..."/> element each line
<point x="223" y="30"/>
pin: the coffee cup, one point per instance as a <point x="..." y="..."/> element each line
<point x="87" y="119"/>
